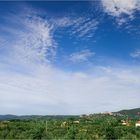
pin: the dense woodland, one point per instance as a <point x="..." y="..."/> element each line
<point x="99" y="126"/>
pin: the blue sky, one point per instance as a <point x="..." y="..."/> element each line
<point x="69" y="57"/>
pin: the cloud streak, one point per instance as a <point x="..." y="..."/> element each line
<point x="81" y="27"/>
<point x="135" y="54"/>
<point x="81" y="56"/>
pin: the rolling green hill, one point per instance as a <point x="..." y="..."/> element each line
<point x="135" y="111"/>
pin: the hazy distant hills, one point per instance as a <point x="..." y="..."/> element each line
<point x="7" y="117"/>
<point x="135" y="111"/>
<point x="11" y="117"/>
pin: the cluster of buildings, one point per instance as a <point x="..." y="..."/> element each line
<point x="100" y="113"/>
<point x="126" y="123"/>
<point x="123" y="122"/>
<point x="137" y="123"/>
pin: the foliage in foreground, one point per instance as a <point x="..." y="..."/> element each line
<point x="88" y="127"/>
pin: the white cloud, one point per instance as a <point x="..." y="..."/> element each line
<point x="119" y="7"/>
<point x="135" y="54"/>
<point x="34" y="43"/>
<point x="122" y="10"/>
<point x="81" y="56"/>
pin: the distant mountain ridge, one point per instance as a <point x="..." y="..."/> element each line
<point x="11" y="117"/>
<point x="7" y="117"/>
<point x="135" y="111"/>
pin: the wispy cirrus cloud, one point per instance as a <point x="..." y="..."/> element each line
<point x="37" y="41"/>
<point x="81" y="56"/>
<point x="80" y="27"/>
<point x="64" y="21"/>
<point x="85" y="28"/>
<point x="34" y="43"/>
